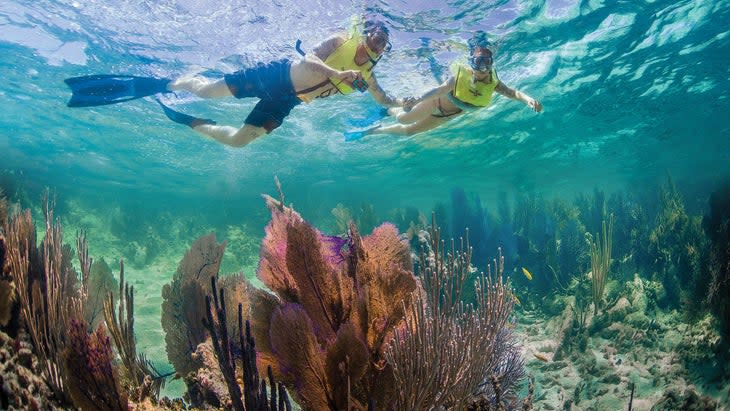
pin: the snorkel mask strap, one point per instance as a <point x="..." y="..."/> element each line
<point x="479" y="40"/>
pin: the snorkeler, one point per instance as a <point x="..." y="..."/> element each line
<point x="340" y="64"/>
<point x="471" y="88"/>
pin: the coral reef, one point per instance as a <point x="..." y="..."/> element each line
<point x="7" y="299"/>
<point x="89" y="376"/>
<point x="22" y="386"/>
<point x="194" y="332"/>
<point x="717" y="226"/>
<point x="703" y="352"/>
<point x="183" y="304"/>
<point x="688" y="400"/>
<point x="675" y="246"/>
<point x="141" y="378"/>
<point x="77" y="366"/>
<point x="483" y="363"/>
<point x="206" y="388"/>
<point x="254" y="395"/>
<point x="7" y="288"/>
<point x="601" y="263"/>
<point x="101" y="282"/>
<point x="47" y="290"/>
<point x="345" y="323"/>
<point x="594" y="359"/>
<point x="336" y="306"/>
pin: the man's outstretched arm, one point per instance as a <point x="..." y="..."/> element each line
<point x="383" y="98"/>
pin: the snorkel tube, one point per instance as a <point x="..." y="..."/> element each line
<point x="298" y="47"/>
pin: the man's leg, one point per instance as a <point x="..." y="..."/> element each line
<point x="264" y="118"/>
<point x="231" y="136"/>
<point x="227" y="135"/>
<point x="201" y="86"/>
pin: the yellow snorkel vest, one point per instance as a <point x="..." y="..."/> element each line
<point x="343" y="58"/>
<point x="477" y="93"/>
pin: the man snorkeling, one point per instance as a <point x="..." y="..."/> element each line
<point x="340" y="64"/>
<point x="471" y="88"/>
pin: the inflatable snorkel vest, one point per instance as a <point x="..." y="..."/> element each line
<point x="475" y="93"/>
<point x="343" y="58"/>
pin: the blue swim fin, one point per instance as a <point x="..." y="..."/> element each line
<point x="103" y="89"/>
<point x="369" y="117"/>
<point x="358" y="134"/>
<point x="183" y="118"/>
<point x="354" y="135"/>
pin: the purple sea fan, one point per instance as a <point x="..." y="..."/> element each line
<point x="335" y="302"/>
<point x="91" y="378"/>
<point x="301" y="265"/>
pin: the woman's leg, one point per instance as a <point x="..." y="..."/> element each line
<point x="202" y="87"/>
<point x="410" y="129"/>
<point x="419" y="112"/>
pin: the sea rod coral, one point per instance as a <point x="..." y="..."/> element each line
<point x="76" y="365"/>
<point x="453" y="355"/>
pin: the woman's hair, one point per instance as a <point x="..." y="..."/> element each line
<point x="478" y="40"/>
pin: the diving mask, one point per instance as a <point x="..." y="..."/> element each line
<point x="481" y="63"/>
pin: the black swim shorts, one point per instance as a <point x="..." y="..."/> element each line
<point x="271" y="83"/>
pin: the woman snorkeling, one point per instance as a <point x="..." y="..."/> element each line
<point x="471" y="88"/>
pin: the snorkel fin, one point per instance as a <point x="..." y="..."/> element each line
<point x="182" y="118"/>
<point x="104" y="89"/>
<point x="369" y="117"/>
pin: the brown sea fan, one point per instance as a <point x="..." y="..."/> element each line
<point x="338" y="300"/>
<point x="184" y="302"/>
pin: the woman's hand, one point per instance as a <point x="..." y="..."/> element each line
<point x="534" y="104"/>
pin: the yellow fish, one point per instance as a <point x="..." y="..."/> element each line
<point x="526" y="273"/>
<point x="541" y="357"/>
<point x="517" y="300"/>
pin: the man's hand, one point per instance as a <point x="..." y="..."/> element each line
<point x="409" y="103"/>
<point x="349" y="76"/>
<point x="534" y="104"/>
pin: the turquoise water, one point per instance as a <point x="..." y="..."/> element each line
<point x="633" y="92"/>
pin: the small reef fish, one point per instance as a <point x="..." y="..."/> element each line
<point x="540" y="356"/>
<point x="527" y="273"/>
<point x="517" y="300"/>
